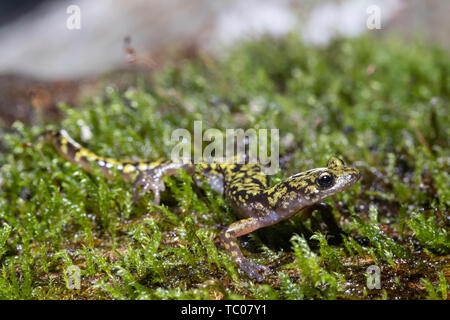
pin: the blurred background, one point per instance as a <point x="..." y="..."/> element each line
<point x="365" y="80"/>
<point x="56" y="51"/>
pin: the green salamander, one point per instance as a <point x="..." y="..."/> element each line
<point x="245" y="185"/>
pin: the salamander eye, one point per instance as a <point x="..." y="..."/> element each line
<point x="325" y="180"/>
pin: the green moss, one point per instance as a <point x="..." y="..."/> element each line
<point x="386" y="248"/>
<point x="328" y="253"/>
<point x="438" y="291"/>
<point x="429" y="234"/>
<point x="381" y="105"/>
<point x="314" y="281"/>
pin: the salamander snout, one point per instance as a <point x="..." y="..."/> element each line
<point x="344" y="176"/>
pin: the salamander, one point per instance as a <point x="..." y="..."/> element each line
<point x="244" y="185"/>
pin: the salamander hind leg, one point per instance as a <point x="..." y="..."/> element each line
<point x="151" y="178"/>
<point x="148" y="180"/>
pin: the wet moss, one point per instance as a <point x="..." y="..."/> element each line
<point x="381" y="105"/>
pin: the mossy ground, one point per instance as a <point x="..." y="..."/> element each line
<point x="381" y="105"/>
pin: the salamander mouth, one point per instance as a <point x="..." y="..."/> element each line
<point x="350" y="178"/>
<point x="355" y="175"/>
<point x="345" y="180"/>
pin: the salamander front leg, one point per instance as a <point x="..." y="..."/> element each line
<point x="237" y="229"/>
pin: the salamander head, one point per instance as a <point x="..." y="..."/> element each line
<point x="335" y="178"/>
<point x="317" y="184"/>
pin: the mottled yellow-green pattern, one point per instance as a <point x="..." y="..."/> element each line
<point x="245" y="185"/>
